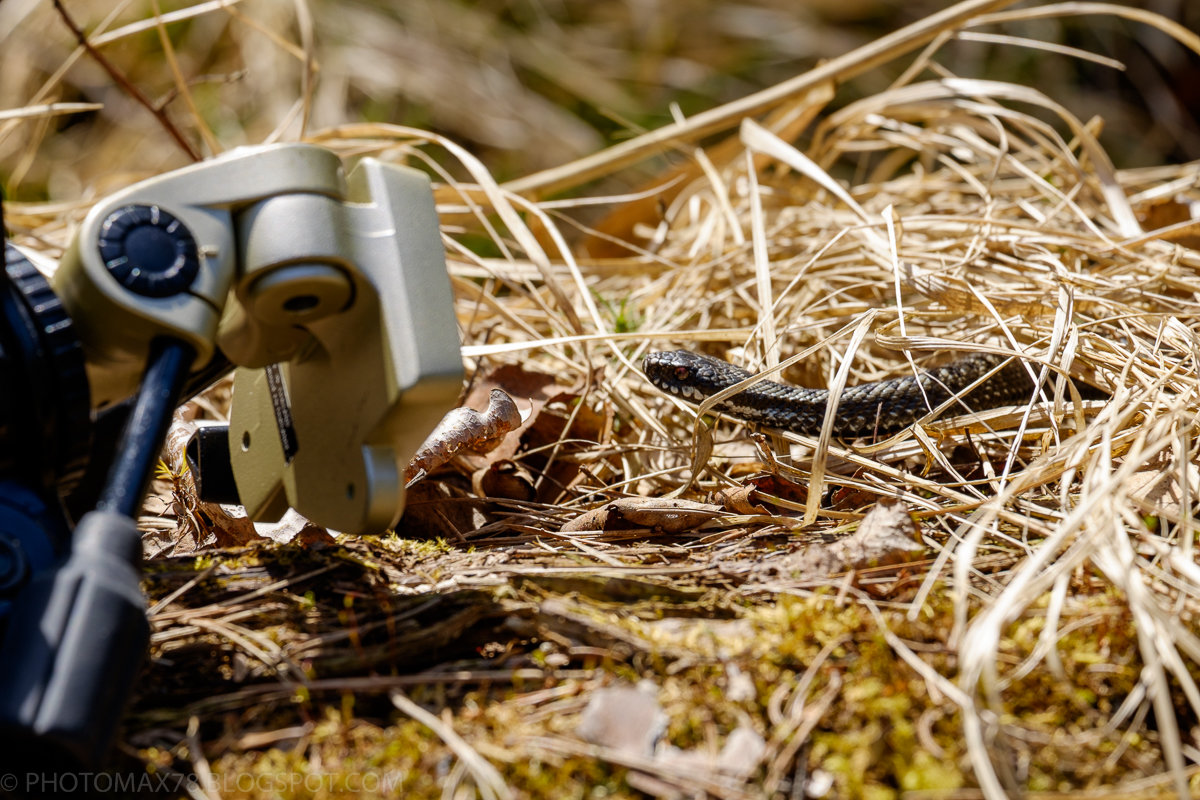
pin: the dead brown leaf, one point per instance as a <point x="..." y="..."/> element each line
<point x="528" y="386"/>
<point x="739" y="500"/>
<point x="1178" y="213"/>
<point x="508" y="479"/>
<point x="198" y="524"/>
<point x="540" y="459"/>
<point x="666" y="516"/>
<point x="886" y="536"/>
<point x="767" y="485"/>
<point x="559" y="437"/>
<point x="465" y="430"/>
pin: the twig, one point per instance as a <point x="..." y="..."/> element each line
<point x="696" y="782"/>
<point x="181" y="83"/>
<point x="208" y="786"/>
<point x="125" y="84"/>
<point x="487" y="779"/>
<point x="304" y="21"/>
<point x="48" y="110"/>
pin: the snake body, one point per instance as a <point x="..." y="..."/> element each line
<point x="863" y="410"/>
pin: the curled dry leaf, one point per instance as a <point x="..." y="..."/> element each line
<point x="739" y="499"/>
<point x="767" y="485"/>
<point x="496" y="473"/>
<point x="887" y="535"/>
<point x="547" y="453"/>
<point x="533" y="456"/>
<point x="504" y="478"/>
<point x="531" y="386"/>
<point x="465" y="430"/>
<point x="667" y="516"/>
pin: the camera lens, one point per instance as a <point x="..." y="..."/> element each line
<point x="45" y="407"/>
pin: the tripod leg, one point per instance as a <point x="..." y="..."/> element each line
<point x="77" y="634"/>
<point x="74" y="646"/>
<point x="142" y="439"/>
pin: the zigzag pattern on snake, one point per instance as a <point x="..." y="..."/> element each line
<point x="863" y="410"/>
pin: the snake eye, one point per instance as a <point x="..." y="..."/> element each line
<point x="682" y="373"/>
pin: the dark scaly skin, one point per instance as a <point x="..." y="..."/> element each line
<point x="864" y="410"/>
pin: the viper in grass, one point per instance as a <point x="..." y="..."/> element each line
<point x="863" y="410"/>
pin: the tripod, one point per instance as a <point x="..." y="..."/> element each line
<point x="269" y="259"/>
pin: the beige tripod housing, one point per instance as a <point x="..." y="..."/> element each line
<point x="329" y="293"/>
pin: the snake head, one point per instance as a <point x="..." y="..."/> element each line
<point x="684" y="373"/>
<point x="669" y="371"/>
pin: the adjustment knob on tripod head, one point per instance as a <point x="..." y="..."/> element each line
<point x="149" y="251"/>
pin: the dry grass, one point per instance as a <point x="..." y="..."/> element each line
<point x="1050" y="641"/>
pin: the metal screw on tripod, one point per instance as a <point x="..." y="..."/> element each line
<point x="149" y="251"/>
<point x="14" y="567"/>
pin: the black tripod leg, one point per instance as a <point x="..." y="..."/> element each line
<point x="77" y="635"/>
<point x="142" y="439"/>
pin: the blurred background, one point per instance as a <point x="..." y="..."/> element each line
<point x="523" y="84"/>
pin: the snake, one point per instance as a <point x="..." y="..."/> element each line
<point x="864" y="410"/>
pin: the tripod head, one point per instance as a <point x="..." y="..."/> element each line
<point x="329" y="295"/>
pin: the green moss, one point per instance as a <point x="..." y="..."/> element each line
<point x="925" y="772"/>
<point x="880" y="731"/>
